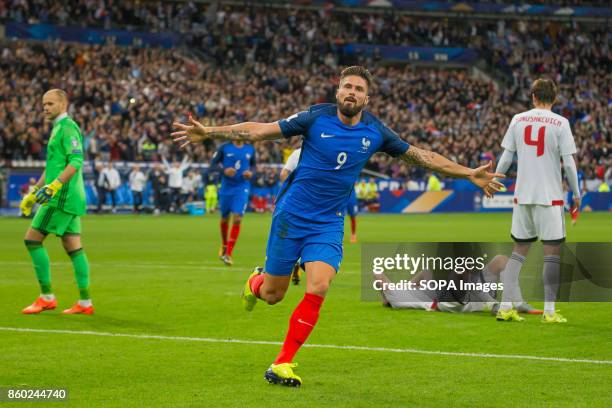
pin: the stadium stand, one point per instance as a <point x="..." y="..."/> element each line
<point x="125" y="98"/>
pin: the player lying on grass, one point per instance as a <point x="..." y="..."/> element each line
<point x="308" y="221"/>
<point x="542" y="140"/>
<point x="449" y="300"/>
<point x="61" y="192"/>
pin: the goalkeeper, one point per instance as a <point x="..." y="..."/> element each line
<point x="61" y="193"/>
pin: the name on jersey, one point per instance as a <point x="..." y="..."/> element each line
<point x="540" y="119"/>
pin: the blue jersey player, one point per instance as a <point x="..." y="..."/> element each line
<point x="308" y="221"/>
<point x="237" y="160"/>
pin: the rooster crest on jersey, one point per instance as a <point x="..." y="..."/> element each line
<point x="365" y="145"/>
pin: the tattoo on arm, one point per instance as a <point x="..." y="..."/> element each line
<point x="434" y="161"/>
<point x="420" y="157"/>
<point x="233" y="135"/>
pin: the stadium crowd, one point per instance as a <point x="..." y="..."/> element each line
<point x="183" y="15"/>
<point x="265" y="66"/>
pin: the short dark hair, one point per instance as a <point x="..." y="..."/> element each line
<point x="359" y="71"/>
<point x="544" y="90"/>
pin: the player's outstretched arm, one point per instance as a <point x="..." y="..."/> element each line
<point x="480" y="176"/>
<point x="247" y="132"/>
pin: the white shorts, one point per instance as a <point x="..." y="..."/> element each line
<point x="456" y="307"/>
<point x="410" y="299"/>
<point x="533" y="221"/>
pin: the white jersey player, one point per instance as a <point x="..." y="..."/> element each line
<point x="542" y="140"/>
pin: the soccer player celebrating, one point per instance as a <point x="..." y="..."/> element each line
<point x="308" y="221"/>
<point x="236" y="158"/>
<point x="541" y="139"/>
<point x="62" y="195"/>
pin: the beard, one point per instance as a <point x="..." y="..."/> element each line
<point x="350" y="110"/>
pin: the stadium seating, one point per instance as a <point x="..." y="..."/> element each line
<point x="125" y="104"/>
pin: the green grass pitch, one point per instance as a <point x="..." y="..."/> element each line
<point x="160" y="276"/>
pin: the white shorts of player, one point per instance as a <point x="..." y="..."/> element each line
<point x="531" y="222"/>
<point x="410" y="299"/>
<point x="456" y="307"/>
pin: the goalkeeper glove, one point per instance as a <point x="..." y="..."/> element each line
<point x="28" y="201"/>
<point x="46" y="193"/>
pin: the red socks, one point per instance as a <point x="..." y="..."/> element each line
<point x="255" y="284"/>
<point x="224" y="228"/>
<point x="230" y="242"/>
<point x="353" y="225"/>
<point x="233" y="237"/>
<point x="303" y="320"/>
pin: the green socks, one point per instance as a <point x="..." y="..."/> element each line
<point x="81" y="271"/>
<point x="40" y="259"/>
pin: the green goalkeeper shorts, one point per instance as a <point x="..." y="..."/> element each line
<point x="52" y="220"/>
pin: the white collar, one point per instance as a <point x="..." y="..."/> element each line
<point x="60" y="117"/>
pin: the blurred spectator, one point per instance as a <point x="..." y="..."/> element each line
<point x="109" y="181"/>
<point x="371" y="195"/>
<point x="137" y="183"/>
<point x="361" y="193"/>
<point x="175" y="180"/>
<point x="190" y="187"/>
<point x="164" y="194"/>
<point x="157" y="185"/>
<point x="433" y="183"/>
<point x="2" y="184"/>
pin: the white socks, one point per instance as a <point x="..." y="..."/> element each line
<point x="85" y="303"/>
<point x="551" y="276"/>
<point x="510" y="280"/>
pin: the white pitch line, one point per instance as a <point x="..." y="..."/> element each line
<point x="326" y="346"/>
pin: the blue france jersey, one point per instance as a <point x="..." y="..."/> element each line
<point x="241" y="158"/>
<point x="332" y="157"/>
